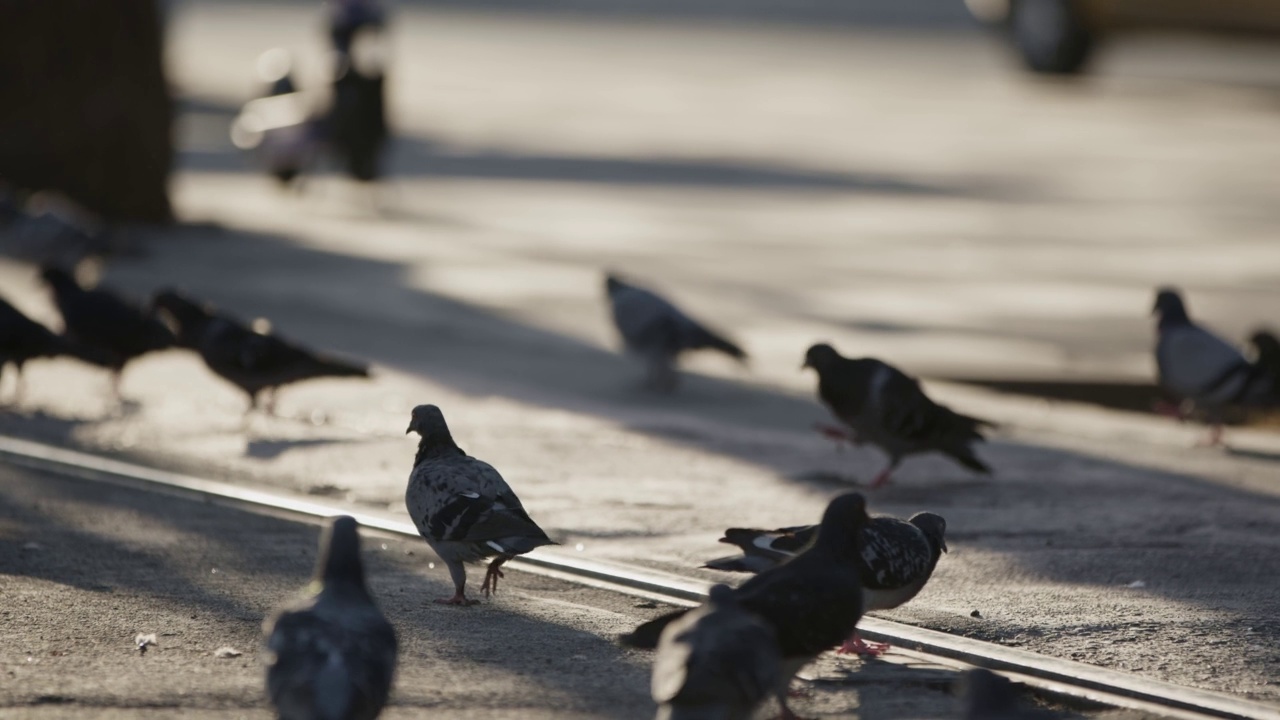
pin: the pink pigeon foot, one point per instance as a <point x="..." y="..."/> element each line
<point x="491" y="576"/>
<point x="855" y="645"/>
<point x="1169" y="409"/>
<point x="837" y="433"/>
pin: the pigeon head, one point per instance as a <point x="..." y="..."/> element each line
<point x="1267" y="347"/>
<point x="820" y="356"/>
<point x="427" y="421"/>
<point x="612" y="283"/>
<point x="933" y="527"/>
<point x="339" y="563"/>
<point x="842" y="525"/>
<point x="1170" y="308"/>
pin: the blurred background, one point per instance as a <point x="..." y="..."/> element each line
<point x="983" y="191"/>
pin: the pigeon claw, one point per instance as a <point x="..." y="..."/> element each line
<point x="838" y="434"/>
<point x="491" y="577"/>
<point x="1168" y="409"/>
<point x="855" y="645"/>
<point x="882" y="478"/>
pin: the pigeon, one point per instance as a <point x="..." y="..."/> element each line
<point x="463" y="508"/>
<point x="1201" y="370"/>
<point x="989" y="696"/>
<point x="331" y="655"/>
<point x="23" y="339"/>
<point x="50" y="228"/>
<point x="882" y="405"/>
<point x="106" y="322"/>
<point x="1266" y="348"/>
<point x="251" y="360"/>
<point x="898" y="557"/>
<point x="357" y="120"/>
<point x="715" y="663"/>
<point x="812" y="602"/>
<point x="657" y="331"/>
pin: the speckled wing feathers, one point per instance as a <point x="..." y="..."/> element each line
<point x="462" y="499"/>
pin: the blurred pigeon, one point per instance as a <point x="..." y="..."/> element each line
<point x="715" y="663"/>
<point x="463" y="508"/>
<point x="357" y="121"/>
<point x="657" y="331"/>
<point x="1200" y="369"/>
<point x="23" y="339"/>
<point x="813" y="602"/>
<point x="1266" y="348"/>
<point x="883" y="406"/>
<point x="898" y="557"/>
<point x="51" y="229"/>
<point x="109" y="324"/>
<point x="348" y="18"/>
<point x="331" y="655"/>
<point x="253" y="360"/>
<point x="286" y="133"/>
<point x="989" y="696"/>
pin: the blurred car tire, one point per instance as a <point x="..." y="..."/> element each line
<point x="1051" y="36"/>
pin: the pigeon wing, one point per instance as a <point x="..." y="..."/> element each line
<point x="895" y="554"/>
<point x="1197" y="364"/>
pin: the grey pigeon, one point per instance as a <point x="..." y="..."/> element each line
<point x="332" y="655"/>
<point x="879" y="404"/>
<point x="813" y="603"/>
<point x="658" y="332"/>
<point x="463" y="508"/>
<point x="715" y="663"/>
<point x="898" y="557"/>
<point x="1201" y="370"/>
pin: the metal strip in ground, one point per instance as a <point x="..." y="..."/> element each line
<point x="1064" y="677"/>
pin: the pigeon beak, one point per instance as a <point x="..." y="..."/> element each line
<point x="406" y="432"/>
<point x="943" y="545"/>
<point x="805" y="365"/>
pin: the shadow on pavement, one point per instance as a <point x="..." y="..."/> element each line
<point x="1107" y="525"/>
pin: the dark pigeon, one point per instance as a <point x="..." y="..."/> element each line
<point x="1201" y="370"/>
<point x="463" y="508"/>
<point x="357" y="121"/>
<point x="880" y="404"/>
<point x="107" y="323"/>
<point x="1266" y="349"/>
<point x="813" y="602"/>
<point x="659" y="332"/>
<point x="898" y="558"/>
<point x="989" y="696"/>
<point x="23" y="339"/>
<point x="331" y="655"/>
<point x="253" y="361"/>
<point x="717" y="662"/>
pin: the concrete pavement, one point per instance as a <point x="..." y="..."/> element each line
<point x="85" y="568"/>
